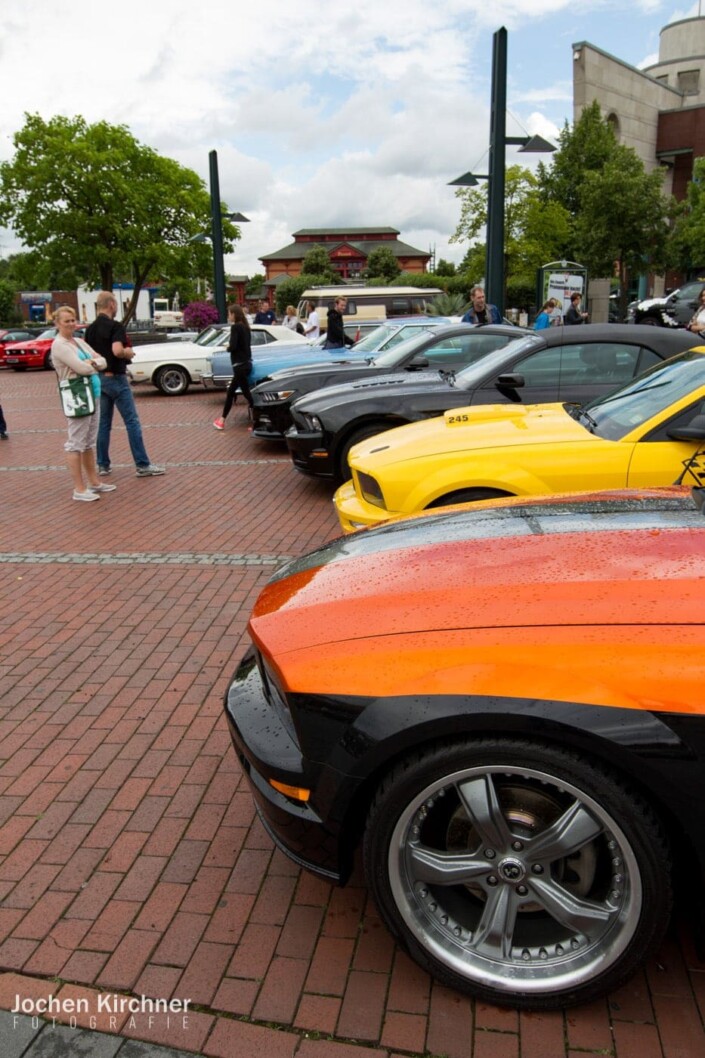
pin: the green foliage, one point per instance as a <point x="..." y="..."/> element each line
<point x="688" y="236"/>
<point x="582" y="149"/>
<point x="382" y="262"/>
<point x="536" y="229"/>
<point x="415" y="279"/>
<point x="448" y="305"/>
<point x="317" y="262"/>
<point x="93" y="200"/>
<point x="290" y="290"/>
<point x="9" y="314"/>
<point x="254" y="285"/>
<point x="444" y="268"/>
<point x="623" y="222"/>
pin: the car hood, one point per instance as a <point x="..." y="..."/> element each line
<point x="649" y="303"/>
<point x="489" y="426"/>
<point x="408" y="382"/>
<point x="162" y="350"/>
<point x="31" y="343"/>
<point x="550" y="561"/>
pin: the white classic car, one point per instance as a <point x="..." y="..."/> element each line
<point x="173" y="366"/>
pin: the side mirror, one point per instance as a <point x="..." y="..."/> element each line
<point x="692" y="431"/>
<point x="510" y="381"/>
<point x="417" y="363"/>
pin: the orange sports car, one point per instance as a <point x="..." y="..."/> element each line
<point x="503" y="705"/>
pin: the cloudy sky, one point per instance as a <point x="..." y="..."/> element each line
<point x="321" y="117"/>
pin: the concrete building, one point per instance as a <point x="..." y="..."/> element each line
<point x="659" y="111"/>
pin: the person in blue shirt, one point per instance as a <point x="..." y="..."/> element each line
<point x="265" y="314"/>
<point x="480" y="312"/>
<point x="543" y="320"/>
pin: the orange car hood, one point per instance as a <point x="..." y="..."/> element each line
<point x="514" y="566"/>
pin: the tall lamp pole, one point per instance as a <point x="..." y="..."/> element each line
<point x="217" y="238"/>
<point x="494" y="253"/>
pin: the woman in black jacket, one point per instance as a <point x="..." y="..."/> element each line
<point x="240" y="350"/>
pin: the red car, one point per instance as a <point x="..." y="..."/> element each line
<point x="36" y="352"/>
<point x="8" y="335"/>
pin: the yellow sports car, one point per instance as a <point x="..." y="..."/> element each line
<point x="644" y="434"/>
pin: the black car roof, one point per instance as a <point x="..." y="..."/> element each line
<point x="658" y="338"/>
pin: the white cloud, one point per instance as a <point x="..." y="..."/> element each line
<point x="320" y="116"/>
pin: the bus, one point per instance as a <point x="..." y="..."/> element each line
<point x="368" y="303"/>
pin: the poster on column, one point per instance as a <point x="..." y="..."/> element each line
<point x="560" y="285"/>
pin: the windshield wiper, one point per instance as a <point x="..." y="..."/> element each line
<point x="584" y="415"/>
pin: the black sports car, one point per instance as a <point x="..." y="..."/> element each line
<point x="571" y="364"/>
<point x="448" y="348"/>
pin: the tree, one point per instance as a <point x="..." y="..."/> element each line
<point x="536" y="229"/>
<point x="582" y="149"/>
<point x="8" y="308"/>
<point x="317" y="263"/>
<point x="688" y="236"/>
<point x="254" y="285"/>
<point x="623" y="221"/>
<point x="382" y="264"/>
<point x="93" y="200"/>
<point x="444" y="268"/>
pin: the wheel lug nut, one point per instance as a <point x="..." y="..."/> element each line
<point x="490" y="854"/>
<point x="517" y="846"/>
<point x="522" y="890"/>
<point x="492" y="880"/>
<point x="537" y="868"/>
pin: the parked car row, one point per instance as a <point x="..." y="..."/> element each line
<point x="499" y="702"/>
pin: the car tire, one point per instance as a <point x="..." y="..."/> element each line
<point x="172" y="381"/>
<point x="523" y="874"/>
<point x="359" y="435"/>
<point x="467" y="496"/>
<point x="650" y="321"/>
<point x="48" y="364"/>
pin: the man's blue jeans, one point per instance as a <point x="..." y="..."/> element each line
<point x="115" y="392"/>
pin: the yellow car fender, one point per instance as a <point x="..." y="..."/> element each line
<point x="473" y="474"/>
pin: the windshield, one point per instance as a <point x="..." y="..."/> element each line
<point x="211" y="335"/>
<point x="50" y="333"/>
<point x="615" y="416"/>
<point x="372" y="341"/>
<point x="391" y="357"/>
<point x="471" y="377"/>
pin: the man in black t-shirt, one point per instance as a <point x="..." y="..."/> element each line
<point x="109" y="338"/>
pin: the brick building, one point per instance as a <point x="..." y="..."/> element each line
<point x="348" y="250"/>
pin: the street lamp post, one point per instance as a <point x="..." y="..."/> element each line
<point x="216" y="236"/>
<point x="494" y="253"/>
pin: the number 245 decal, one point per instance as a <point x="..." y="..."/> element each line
<point x="456" y="420"/>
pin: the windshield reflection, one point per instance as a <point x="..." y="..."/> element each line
<point x="616" y="415"/>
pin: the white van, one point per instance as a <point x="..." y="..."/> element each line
<point x="368" y="303"/>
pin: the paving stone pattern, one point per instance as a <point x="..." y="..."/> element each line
<point x="131" y="859"/>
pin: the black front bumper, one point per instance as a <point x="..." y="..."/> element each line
<point x="309" y="453"/>
<point x="270" y="421"/>
<point x="267" y="750"/>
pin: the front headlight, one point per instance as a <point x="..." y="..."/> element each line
<point x="283" y="394"/>
<point x="311" y="422"/>
<point x="370" y="489"/>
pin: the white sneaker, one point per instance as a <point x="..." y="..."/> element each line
<point x="103" y="487"/>
<point x="87" y="496"/>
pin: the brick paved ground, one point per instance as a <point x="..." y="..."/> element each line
<point x="130" y="856"/>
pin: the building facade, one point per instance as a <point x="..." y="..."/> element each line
<point x="348" y="250"/>
<point x="659" y="111"/>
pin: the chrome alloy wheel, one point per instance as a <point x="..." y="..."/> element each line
<point x="514" y="879"/>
